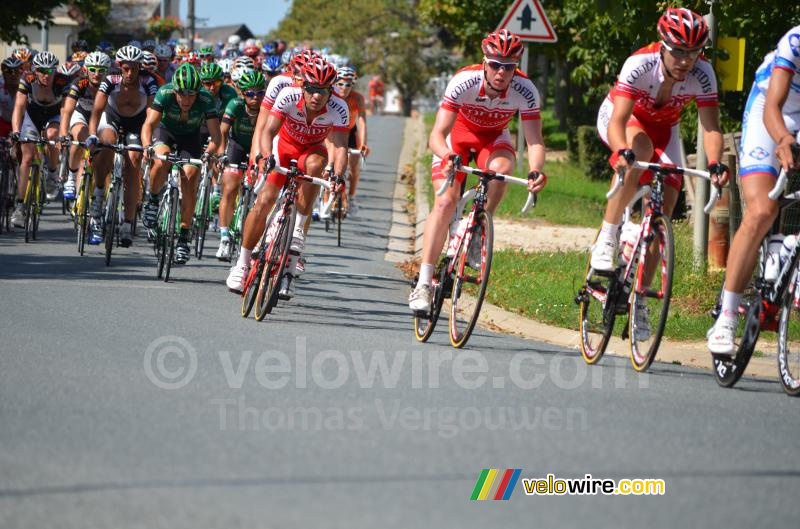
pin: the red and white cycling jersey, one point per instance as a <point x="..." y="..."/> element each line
<point x="291" y="109"/>
<point x="276" y="84"/>
<point x="465" y="94"/>
<point x="641" y="79"/>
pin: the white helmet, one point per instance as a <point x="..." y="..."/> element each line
<point x="45" y="59"/>
<point x="234" y="40"/>
<point x="149" y="61"/>
<point x="163" y="51"/>
<point x="238" y="71"/>
<point x="69" y="69"/>
<point x="129" y="54"/>
<point x="226" y="65"/>
<point x="244" y="60"/>
<point x="97" y="58"/>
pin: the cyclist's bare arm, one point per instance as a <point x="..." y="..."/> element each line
<point x="445" y="120"/>
<point x="20" y="104"/>
<point x="271" y="129"/>
<point x="213" y="131"/>
<point x="150" y="123"/>
<point x="99" y="106"/>
<point x="339" y="140"/>
<point x="712" y="136"/>
<point x="261" y="122"/>
<point x="532" y="129"/>
<point x="331" y="150"/>
<point x="779" y="83"/>
<point x="66" y="113"/>
<point x="361" y="127"/>
<point x="617" y="138"/>
<point x="224" y="129"/>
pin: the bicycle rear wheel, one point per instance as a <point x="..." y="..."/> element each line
<point x="789" y="345"/>
<point x="442" y="285"/>
<point x="201" y="220"/>
<point x="277" y="255"/>
<point x="30" y="200"/>
<point x="339" y="217"/>
<point x="467" y="299"/>
<point x="650" y="299"/>
<point x="4" y="195"/>
<point x="171" y="233"/>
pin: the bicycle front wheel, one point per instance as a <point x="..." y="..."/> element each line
<point x="424" y="324"/>
<point x="172" y="236"/>
<point x="111" y="223"/>
<point x="471" y="280"/>
<point x="30" y="200"/>
<point x="789" y="345"/>
<point x="339" y="216"/>
<point x="277" y="255"/>
<point x="597" y="300"/>
<point x="650" y="298"/>
<point x="202" y="219"/>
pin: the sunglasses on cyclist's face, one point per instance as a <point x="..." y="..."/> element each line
<point x="344" y="85"/>
<point x="212" y="84"/>
<point x="316" y="89"/>
<point x="680" y="53"/>
<point x="96" y="69"/>
<point x="186" y="93"/>
<point x="45" y="71"/>
<point x="254" y="93"/>
<point x="497" y="65"/>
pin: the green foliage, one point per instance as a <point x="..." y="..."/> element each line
<point x="96" y="13"/>
<point x="592" y="153"/>
<point x="19" y="13"/>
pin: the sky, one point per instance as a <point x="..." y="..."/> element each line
<point x="260" y="16"/>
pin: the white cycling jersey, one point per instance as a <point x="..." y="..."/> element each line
<point x="276" y="84"/>
<point x="465" y="95"/>
<point x="757" y="148"/>
<point x="290" y="108"/>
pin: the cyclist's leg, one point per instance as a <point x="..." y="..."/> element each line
<point x="103" y="159"/>
<point x="162" y="140"/>
<point x="51" y="133"/>
<point x="28" y="152"/>
<point x="79" y="131"/>
<point x="231" y="181"/>
<point x="132" y="175"/>
<point x="499" y="156"/>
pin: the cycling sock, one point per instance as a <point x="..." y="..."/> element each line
<point x="291" y="265"/>
<point x="425" y="275"/>
<point x="300" y="222"/>
<point x="73" y="173"/>
<point x="154" y="198"/>
<point x="98" y="193"/>
<point x="244" y="257"/>
<point x="185" y="234"/>
<point x="224" y="233"/>
<point x="610" y="231"/>
<point x="730" y="303"/>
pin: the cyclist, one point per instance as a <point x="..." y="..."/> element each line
<point x="272" y="66"/>
<point x="376" y="91"/>
<point x="769" y="128"/>
<point x="212" y="77"/>
<point x="640" y="120"/>
<point x="37" y="108"/>
<point x="12" y="71"/>
<point x="25" y="57"/>
<point x="150" y="67"/>
<point x="478" y="104"/>
<point x="165" y="67"/>
<point x="238" y="125"/>
<point x="357" y="138"/>
<point x="77" y="112"/>
<point x="311" y="113"/>
<point x="176" y="117"/>
<point x="149" y="45"/>
<point x="120" y="106"/>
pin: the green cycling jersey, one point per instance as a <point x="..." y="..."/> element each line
<point x="202" y="110"/>
<point x="226" y="95"/>
<point x="242" y="124"/>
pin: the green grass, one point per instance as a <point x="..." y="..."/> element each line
<point x="543" y="285"/>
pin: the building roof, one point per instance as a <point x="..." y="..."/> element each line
<point x="130" y="16"/>
<point x="216" y="34"/>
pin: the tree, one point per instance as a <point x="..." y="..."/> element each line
<point x="19" y="13"/>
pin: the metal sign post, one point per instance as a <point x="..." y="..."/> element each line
<point x="522" y="147"/>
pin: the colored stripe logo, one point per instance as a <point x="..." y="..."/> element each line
<point x="496" y="484"/>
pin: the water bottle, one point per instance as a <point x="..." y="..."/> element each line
<point x="457" y="231"/>
<point x="627" y="240"/>
<point x="789" y="242"/>
<point x="773" y="264"/>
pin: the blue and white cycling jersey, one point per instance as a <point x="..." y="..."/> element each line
<point x="757" y="148"/>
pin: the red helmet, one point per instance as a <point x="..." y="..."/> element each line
<point x="251" y="51"/>
<point x="502" y="44"/>
<point x="300" y="60"/>
<point x="319" y="72"/>
<point x="683" y="28"/>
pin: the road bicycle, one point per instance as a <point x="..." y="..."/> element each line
<point x="203" y="211"/>
<point x="769" y="303"/>
<point x="113" y="213"/>
<point x="640" y="287"/>
<point x="8" y="184"/>
<point x="335" y="213"/>
<point x="244" y="202"/>
<point x="35" y="194"/>
<point x="272" y="254"/>
<point x="166" y="228"/>
<point x="452" y="277"/>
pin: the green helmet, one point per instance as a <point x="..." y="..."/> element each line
<point x="251" y="79"/>
<point x="205" y="51"/>
<point x="186" y="78"/>
<point x="211" y="72"/>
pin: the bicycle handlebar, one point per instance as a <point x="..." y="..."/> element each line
<point x="175" y="159"/>
<point x="780" y="185"/>
<point x="296" y="173"/>
<point x="39" y="141"/>
<point x="530" y="202"/>
<point x="670" y="169"/>
<point x="118" y="147"/>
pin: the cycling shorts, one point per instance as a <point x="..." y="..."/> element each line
<point x="79" y="117"/>
<point x="473" y="145"/>
<point x="31" y="127"/>
<point x="757" y="148"/>
<point x="352" y="139"/>
<point x="285" y="152"/>
<point x="131" y="125"/>
<point x="235" y="152"/>
<point x="666" y="143"/>
<point x="189" y="146"/>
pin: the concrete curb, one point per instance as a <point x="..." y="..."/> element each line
<point x="400" y="246"/>
<point x="498" y="319"/>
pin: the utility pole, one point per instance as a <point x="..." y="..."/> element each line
<point x="46" y="35"/>
<point x="191" y="24"/>
<point x="701" y="185"/>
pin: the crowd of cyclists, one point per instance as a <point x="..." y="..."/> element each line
<point x="254" y="108"/>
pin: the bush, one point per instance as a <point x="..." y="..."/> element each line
<point x="592" y="153"/>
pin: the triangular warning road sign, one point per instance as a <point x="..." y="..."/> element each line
<point x="527" y="19"/>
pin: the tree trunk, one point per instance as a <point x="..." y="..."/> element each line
<point x="406" y="100"/>
<point x="562" y="92"/>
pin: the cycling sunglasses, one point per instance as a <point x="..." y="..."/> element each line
<point x="96" y="69"/>
<point x="316" y="89"/>
<point x="344" y="85"/>
<point x="253" y="93"/>
<point x="186" y="93"/>
<point x="212" y="83"/>
<point x="680" y="53"/>
<point x="46" y="71"/>
<point x="497" y="65"/>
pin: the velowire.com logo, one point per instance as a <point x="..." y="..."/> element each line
<point x="496" y="484"/>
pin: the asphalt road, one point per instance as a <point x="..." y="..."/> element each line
<point x="330" y="414"/>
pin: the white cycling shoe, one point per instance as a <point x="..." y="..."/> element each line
<point x="420" y="299"/>
<point x="604" y="255"/>
<point x="236" y="278"/>
<point x="722" y="336"/>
